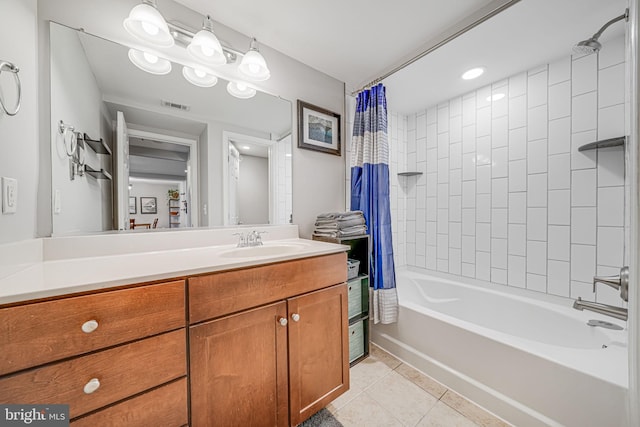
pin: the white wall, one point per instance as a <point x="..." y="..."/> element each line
<point x="253" y="190"/>
<point x="505" y="195"/>
<point x="19" y="134"/>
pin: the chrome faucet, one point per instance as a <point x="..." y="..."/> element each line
<point x="608" y="310"/>
<point x="620" y="282"/>
<point x="242" y="240"/>
<point x="253" y="238"/>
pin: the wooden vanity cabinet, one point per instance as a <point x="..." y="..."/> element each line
<point x="276" y="360"/>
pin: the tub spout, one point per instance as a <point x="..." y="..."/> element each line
<point x="607" y="310"/>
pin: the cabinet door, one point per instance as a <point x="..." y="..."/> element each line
<point x="318" y="350"/>
<point x="239" y="369"/>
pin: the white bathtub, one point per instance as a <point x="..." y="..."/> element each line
<point x="531" y="360"/>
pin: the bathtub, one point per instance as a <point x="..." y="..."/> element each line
<point x="530" y="359"/>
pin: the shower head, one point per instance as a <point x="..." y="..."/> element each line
<point x="592" y="45"/>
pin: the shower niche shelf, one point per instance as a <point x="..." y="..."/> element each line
<point x="409" y="173"/>
<point x="604" y="143"/>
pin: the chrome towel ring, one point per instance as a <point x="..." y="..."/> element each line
<point x="8" y="66"/>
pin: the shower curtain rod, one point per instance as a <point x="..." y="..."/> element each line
<point x="490" y="14"/>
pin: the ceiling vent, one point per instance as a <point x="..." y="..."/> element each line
<point x="174" y="105"/>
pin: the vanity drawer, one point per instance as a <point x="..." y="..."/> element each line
<point x="34" y="334"/>
<point x="121" y="371"/>
<point x="218" y="294"/>
<point x="164" y="406"/>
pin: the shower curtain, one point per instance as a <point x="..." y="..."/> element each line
<point x="370" y="194"/>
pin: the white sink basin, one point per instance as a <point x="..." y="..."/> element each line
<point x="266" y="250"/>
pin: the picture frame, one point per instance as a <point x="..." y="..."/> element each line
<point x="148" y="205"/>
<point x="133" y="206"/>
<point x="318" y="129"/>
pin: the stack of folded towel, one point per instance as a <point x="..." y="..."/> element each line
<point x="340" y="224"/>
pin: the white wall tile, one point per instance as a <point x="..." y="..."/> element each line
<point x="559" y="278"/>
<point x="559" y="244"/>
<point x="517" y="85"/>
<point x="500" y="162"/>
<point x="468" y="270"/>
<point x="455" y="129"/>
<point x="443" y="145"/>
<point x="483" y="121"/>
<point x="560" y="136"/>
<point x="421" y="150"/>
<point x="455" y="235"/>
<point x="483" y="266"/>
<point x="517" y="239"/>
<point x="611" y="83"/>
<point x="455" y="265"/>
<point x="500" y="193"/>
<point x="499" y="253"/>
<point x="455" y="156"/>
<point x="581" y="290"/>
<point x="483" y="97"/>
<point x="443" y="221"/>
<point x="443" y="170"/>
<point x="584" y="112"/>
<point x="468" y="194"/>
<point x="537" y="90"/>
<point x="455" y="208"/>
<point x="517" y="271"/>
<point x="483" y="208"/>
<point x="537" y="123"/>
<point x="518" y="208"/>
<point x="499" y="223"/>
<point x="443" y="246"/>
<point x="518" y="175"/>
<point x="483" y="150"/>
<point x="468" y="222"/>
<point x="583" y="226"/>
<point x="432" y="160"/>
<point x="517" y="112"/>
<point x="469" y="110"/>
<point x="537" y="190"/>
<point x="483" y="179"/>
<point x="432" y="260"/>
<point x="537" y="156"/>
<point x="432" y="233"/>
<point x="469" y="139"/>
<point x="500" y="132"/>
<point x="583" y="263"/>
<point x="583" y="190"/>
<point x="610" y="250"/>
<point x="468" y="166"/>
<point x="432" y="136"/>
<point x="560" y="70"/>
<point x="559" y="172"/>
<point x="536" y="282"/>
<point x="611" y="122"/>
<point x="583" y="159"/>
<point x="455" y="107"/>
<point x="421" y="244"/>
<point x="500" y="107"/>
<point x="518" y="144"/>
<point x="468" y="249"/>
<point x="610" y="167"/>
<point x="537" y="224"/>
<point x="455" y="182"/>
<point x="432" y="184"/>
<point x="559" y="100"/>
<point x="584" y="74"/>
<point x="611" y="206"/>
<point x="612" y="52"/>
<point x="432" y="115"/>
<point x="432" y="209"/>
<point x="443" y="119"/>
<point x="483" y="237"/>
<point x="421" y="125"/>
<point x="537" y="257"/>
<point x="499" y="276"/>
<point x="443" y="265"/>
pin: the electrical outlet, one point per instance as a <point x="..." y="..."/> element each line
<point x="9" y="195"/>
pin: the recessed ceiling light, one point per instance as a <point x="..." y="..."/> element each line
<point x="495" y="97"/>
<point x="246" y="147"/>
<point x="473" y="73"/>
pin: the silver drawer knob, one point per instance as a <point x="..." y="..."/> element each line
<point x="295" y="317"/>
<point x="283" y="321"/>
<point x="91" y="386"/>
<point x="89" y="326"/>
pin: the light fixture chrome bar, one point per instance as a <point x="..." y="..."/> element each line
<point x="183" y="36"/>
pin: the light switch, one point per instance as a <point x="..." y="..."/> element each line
<point x="57" y="202"/>
<point x="9" y="195"/>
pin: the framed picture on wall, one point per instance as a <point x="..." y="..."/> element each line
<point x="148" y="205"/>
<point x="318" y="129"/>
<point x="133" y="207"/>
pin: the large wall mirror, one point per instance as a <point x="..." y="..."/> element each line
<point x="132" y="150"/>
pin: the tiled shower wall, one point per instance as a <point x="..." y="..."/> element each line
<point x="505" y="195"/>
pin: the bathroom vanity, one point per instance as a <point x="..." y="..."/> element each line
<point x="231" y="337"/>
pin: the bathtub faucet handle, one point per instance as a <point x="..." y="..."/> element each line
<point x="620" y="282"/>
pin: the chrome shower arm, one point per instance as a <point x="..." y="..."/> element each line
<point x="624" y="16"/>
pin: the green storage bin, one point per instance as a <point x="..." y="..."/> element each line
<point x="356" y="340"/>
<point x="354" y="297"/>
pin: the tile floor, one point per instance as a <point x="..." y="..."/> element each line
<point x="386" y="392"/>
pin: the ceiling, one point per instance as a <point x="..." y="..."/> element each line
<point x="357" y="41"/>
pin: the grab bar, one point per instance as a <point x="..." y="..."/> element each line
<point x="8" y="66"/>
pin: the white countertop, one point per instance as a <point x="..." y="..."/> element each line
<point x="47" y="278"/>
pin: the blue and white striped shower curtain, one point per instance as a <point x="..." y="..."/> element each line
<point x="370" y="194"/>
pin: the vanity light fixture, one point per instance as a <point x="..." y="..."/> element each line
<point x="473" y="73"/>
<point x="240" y="90"/>
<point x="149" y="62"/>
<point x="199" y="77"/>
<point x="253" y="66"/>
<point x="146" y="23"/>
<point x="206" y="47"/>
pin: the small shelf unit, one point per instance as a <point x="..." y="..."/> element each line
<point x="98" y="146"/>
<point x="98" y="174"/>
<point x="409" y="173"/>
<point x="604" y="143"/>
<point x="358" y="295"/>
<point x="174" y="213"/>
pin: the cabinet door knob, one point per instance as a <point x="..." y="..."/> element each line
<point x="295" y="317"/>
<point x="283" y="321"/>
<point x="89" y="326"/>
<point x="92" y="385"/>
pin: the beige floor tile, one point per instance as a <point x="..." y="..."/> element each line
<point x="343" y="399"/>
<point x="444" y="416"/>
<point x="367" y="372"/>
<point x="471" y="410"/>
<point x="401" y="398"/>
<point x="363" y="411"/>
<point x="381" y="355"/>
<point x="426" y="383"/>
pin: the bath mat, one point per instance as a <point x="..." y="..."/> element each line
<point x="322" y="418"/>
